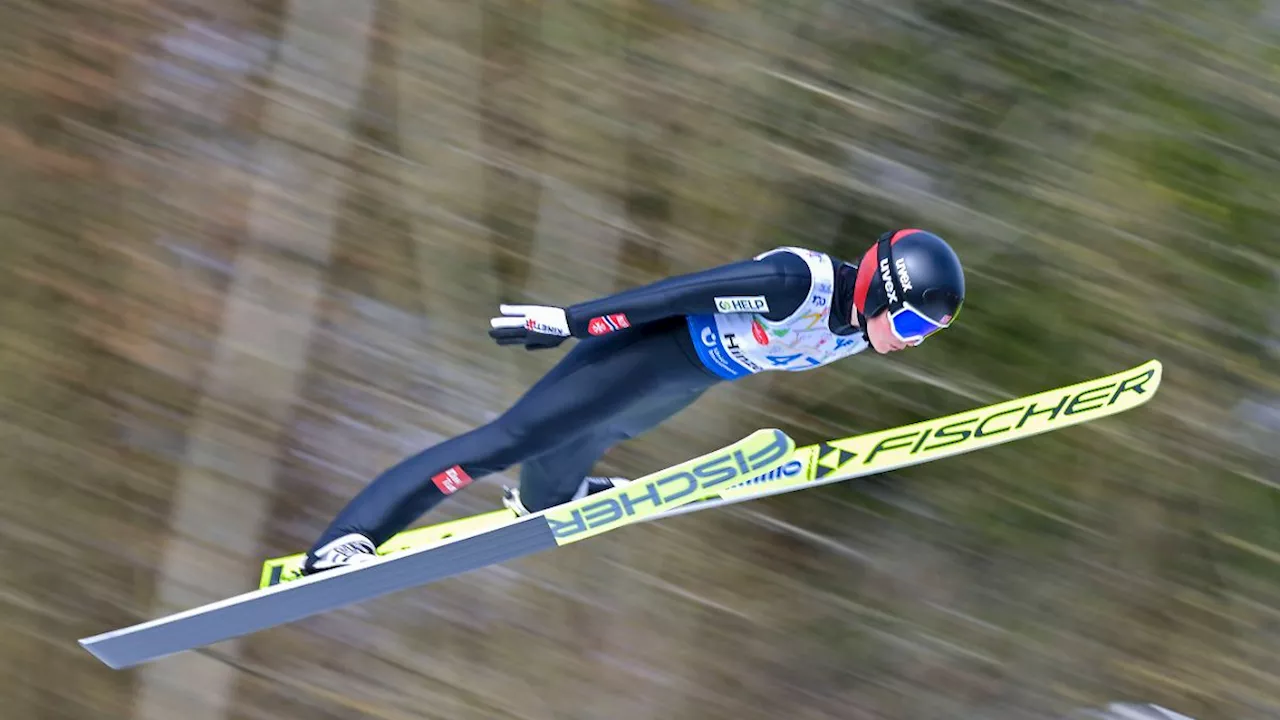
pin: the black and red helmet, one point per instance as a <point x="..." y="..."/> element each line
<point x="916" y="276"/>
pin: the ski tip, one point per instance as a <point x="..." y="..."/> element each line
<point x="778" y="442"/>
<point x="1155" y="370"/>
<point x="772" y="434"/>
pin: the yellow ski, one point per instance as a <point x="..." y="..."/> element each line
<point x="856" y="456"/>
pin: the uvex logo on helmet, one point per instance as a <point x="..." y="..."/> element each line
<point x="909" y="266"/>
<point x="888" y="281"/>
<point x="904" y="277"/>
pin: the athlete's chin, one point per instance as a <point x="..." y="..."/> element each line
<point x="886" y="348"/>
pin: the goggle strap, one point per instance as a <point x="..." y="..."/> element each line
<point x="884" y="251"/>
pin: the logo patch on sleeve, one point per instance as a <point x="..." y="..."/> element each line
<point x="608" y="323"/>
<point x="742" y="304"/>
<point x="452" y="480"/>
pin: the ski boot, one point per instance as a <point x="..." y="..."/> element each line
<point x="350" y="549"/>
<point x="589" y="486"/>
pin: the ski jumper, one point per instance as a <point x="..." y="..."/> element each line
<point x="644" y="355"/>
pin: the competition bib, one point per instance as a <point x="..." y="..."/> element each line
<point x="735" y="344"/>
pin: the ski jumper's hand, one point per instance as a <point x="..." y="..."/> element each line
<point x="537" y="327"/>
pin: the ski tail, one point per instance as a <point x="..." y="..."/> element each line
<point x="571" y="522"/>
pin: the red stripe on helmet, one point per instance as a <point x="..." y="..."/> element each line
<point x="901" y="234"/>
<point x="867" y="270"/>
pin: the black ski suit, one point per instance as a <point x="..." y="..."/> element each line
<point x="606" y="389"/>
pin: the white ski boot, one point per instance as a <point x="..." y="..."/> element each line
<point x="350" y="549"/>
<point x="589" y="486"/>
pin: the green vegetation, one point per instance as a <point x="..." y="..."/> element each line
<point x="1108" y="172"/>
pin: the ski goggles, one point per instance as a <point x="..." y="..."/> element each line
<point x="912" y="326"/>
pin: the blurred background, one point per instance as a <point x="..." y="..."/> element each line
<point x="249" y="251"/>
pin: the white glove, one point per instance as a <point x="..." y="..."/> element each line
<point x="535" y="326"/>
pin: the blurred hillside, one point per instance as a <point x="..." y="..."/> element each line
<point x="250" y="250"/>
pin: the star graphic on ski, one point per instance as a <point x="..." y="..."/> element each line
<point x="830" y="459"/>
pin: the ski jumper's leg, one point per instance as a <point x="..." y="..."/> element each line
<point x="554" y="476"/>
<point x="596" y="382"/>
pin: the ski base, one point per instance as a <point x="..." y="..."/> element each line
<point x="756" y="454"/>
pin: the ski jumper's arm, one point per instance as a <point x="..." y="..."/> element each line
<point x="774" y="286"/>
